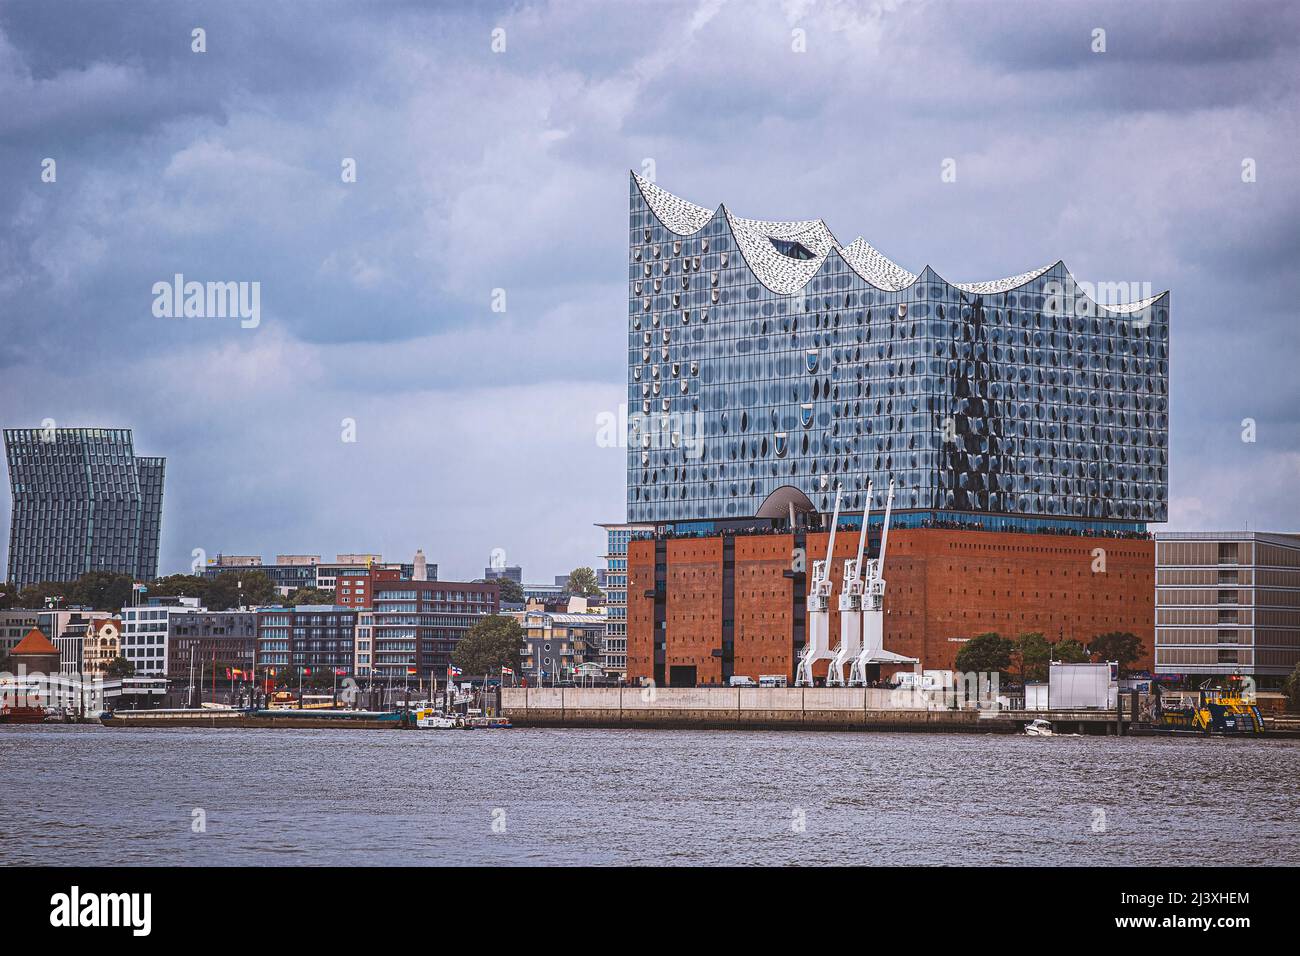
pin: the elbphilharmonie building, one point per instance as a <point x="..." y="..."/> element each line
<point x="82" y="501"/>
<point x="768" y="364"/>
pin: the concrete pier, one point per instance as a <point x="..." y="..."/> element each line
<point x="308" y="720"/>
<point x="779" y="708"/>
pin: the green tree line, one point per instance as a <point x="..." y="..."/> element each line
<point x="1027" y="656"/>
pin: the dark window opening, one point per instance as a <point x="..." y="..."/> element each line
<point x="792" y="250"/>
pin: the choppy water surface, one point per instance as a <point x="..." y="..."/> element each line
<point x="90" y="795"/>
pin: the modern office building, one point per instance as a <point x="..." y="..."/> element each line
<point x="82" y="501"/>
<point x="287" y="575"/>
<point x="220" y="639"/>
<point x="544" y="592"/>
<point x="145" y="633"/>
<point x="765" y="355"/>
<point x="318" y="637"/>
<point x="290" y="572"/>
<point x="513" y="572"/>
<point x="416" y="624"/>
<point x="617" y="536"/>
<point x="1023" y="421"/>
<point x="1228" y="602"/>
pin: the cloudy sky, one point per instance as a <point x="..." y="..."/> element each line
<point x="480" y="170"/>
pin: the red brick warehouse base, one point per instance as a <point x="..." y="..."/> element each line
<point x="942" y="588"/>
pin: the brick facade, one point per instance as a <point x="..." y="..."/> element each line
<point x="942" y="586"/>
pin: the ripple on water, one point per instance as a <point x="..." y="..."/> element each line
<point x="89" y="795"/>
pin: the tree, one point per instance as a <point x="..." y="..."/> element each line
<point x="1117" y="646"/>
<point x="582" y="582"/>
<point x="225" y="592"/>
<point x="119" y="667"/>
<point x="1033" y="652"/>
<point x="985" y="653"/>
<point x="512" y="592"/>
<point x="181" y="585"/>
<point x="310" y="596"/>
<point x="101" y="590"/>
<point x="492" y="643"/>
<point x="34" y="595"/>
<point x="8" y="596"/>
<point x="1291" y="687"/>
<point x="1069" y="651"/>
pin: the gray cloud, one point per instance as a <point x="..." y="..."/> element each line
<point x="480" y="171"/>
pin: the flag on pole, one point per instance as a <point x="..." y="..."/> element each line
<point x="340" y="672"/>
<point x="453" y="671"/>
<point x="410" y="670"/>
<point x="507" y="670"/>
<point x="307" y="671"/>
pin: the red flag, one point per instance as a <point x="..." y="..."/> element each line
<point x="307" y="671"/>
<point x="410" y="670"/>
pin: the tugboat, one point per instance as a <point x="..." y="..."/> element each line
<point x="1220" y="710"/>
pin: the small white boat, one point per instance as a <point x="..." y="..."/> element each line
<point x="432" y="720"/>
<point x="1039" y="728"/>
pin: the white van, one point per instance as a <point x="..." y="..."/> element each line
<point x="772" y="680"/>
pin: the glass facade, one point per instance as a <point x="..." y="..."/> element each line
<point x="82" y="501"/>
<point x="763" y="355"/>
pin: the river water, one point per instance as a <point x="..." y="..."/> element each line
<point x="93" y="796"/>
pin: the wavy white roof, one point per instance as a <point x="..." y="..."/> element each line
<point x="785" y="275"/>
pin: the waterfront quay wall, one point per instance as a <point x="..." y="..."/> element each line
<point x="820" y="708"/>
<point x="241" y="720"/>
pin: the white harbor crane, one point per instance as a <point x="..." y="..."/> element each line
<point x="850" y="645"/>
<point x="873" y="610"/>
<point x="818" y="647"/>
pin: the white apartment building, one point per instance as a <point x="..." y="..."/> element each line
<point x="144" y="635"/>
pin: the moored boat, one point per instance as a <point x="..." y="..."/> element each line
<point x="433" y="720"/>
<point x="22" y="715"/>
<point x="488" y="723"/>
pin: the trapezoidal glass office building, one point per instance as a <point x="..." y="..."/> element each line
<point x="82" y="501"/>
<point x="767" y="363"/>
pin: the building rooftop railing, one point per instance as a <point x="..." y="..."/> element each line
<point x="927" y="524"/>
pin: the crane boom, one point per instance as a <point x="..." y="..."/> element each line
<point x="835" y="520"/>
<point x="862" y="536"/>
<point x="884" y="534"/>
